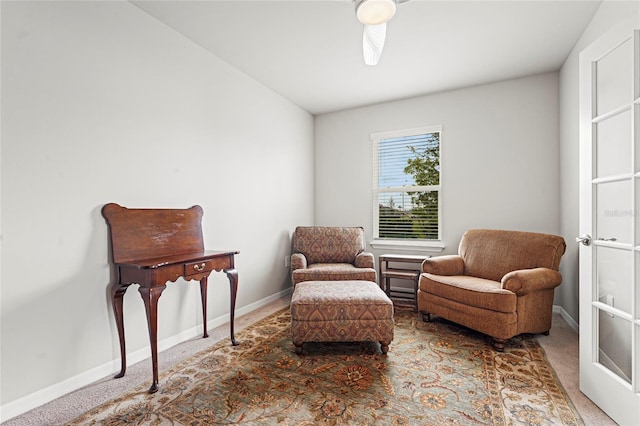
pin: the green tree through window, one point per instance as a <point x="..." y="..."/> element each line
<point x="408" y="186"/>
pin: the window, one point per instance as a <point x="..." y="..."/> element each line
<point x="407" y="187"/>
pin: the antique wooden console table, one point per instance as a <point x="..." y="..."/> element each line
<point x="153" y="246"/>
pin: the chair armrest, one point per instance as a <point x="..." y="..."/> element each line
<point x="365" y="260"/>
<point x="526" y="281"/>
<point x="444" y="265"/>
<point x="298" y="261"/>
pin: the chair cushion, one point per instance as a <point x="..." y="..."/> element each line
<point x="322" y="244"/>
<point x="340" y="300"/>
<point x="333" y="272"/>
<point x="478" y="292"/>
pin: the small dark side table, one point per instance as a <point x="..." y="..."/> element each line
<point x="389" y="268"/>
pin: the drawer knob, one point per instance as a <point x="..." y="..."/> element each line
<point x="199" y="267"/>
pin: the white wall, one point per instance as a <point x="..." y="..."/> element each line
<point x="608" y="15"/>
<point x="499" y="157"/>
<point x="102" y="103"/>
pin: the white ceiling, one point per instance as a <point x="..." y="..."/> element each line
<point x="310" y="52"/>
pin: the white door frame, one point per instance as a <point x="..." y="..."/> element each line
<point x="619" y="399"/>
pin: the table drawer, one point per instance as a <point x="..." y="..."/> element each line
<point x="192" y="268"/>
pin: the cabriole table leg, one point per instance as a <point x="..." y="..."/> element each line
<point x="232" y="274"/>
<point x="117" y="301"/>
<point x="150" y="297"/>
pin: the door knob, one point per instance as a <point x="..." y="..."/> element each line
<point x="584" y="239"/>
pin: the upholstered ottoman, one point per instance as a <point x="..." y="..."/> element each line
<point x="340" y="311"/>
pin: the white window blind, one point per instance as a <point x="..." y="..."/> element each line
<point x="407" y="185"/>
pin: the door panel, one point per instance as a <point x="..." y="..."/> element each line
<point x="614" y="219"/>
<point x="614" y="76"/>
<point x="609" y="206"/>
<point x="636" y="137"/>
<point x="614" y="278"/>
<point x="613" y="145"/>
<point x="615" y="345"/>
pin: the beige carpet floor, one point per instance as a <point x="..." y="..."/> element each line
<point x="561" y="347"/>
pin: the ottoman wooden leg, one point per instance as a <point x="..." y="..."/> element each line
<point x="298" y="347"/>
<point x="384" y="347"/>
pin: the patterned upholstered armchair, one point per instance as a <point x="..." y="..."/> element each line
<point x="330" y="254"/>
<point x="500" y="283"/>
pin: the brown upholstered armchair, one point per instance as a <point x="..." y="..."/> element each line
<point x="330" y="254"/>
<point x="501" y="283"/>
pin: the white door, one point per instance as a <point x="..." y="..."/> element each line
<point x="610" y="214"/>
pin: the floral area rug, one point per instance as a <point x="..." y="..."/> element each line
<point x="435" y="373"/>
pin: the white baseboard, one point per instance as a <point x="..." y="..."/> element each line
<point x="567" y="318"/>
<point x="248" y="308"/>
<point x="48" y="394"/>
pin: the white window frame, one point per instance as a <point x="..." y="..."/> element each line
<point x="436" y="245"/>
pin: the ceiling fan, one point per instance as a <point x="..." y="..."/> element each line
<point x="375" y="14"/>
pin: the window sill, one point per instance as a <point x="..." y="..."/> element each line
<point x="421" y="245"/>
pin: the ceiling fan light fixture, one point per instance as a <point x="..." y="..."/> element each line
<point x="375" y="12"/>
<point x="373" y="42"/>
